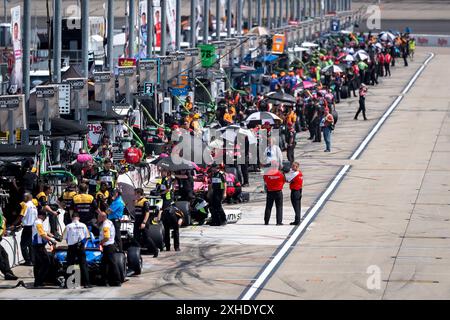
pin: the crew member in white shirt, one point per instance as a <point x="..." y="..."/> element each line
<point x="76" y="234"/>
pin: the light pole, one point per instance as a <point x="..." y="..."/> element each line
<point x="85" y="37"/>
<point x="26" y="61"/>
<point x="205" y="20"/>
<point x="149" y="28"/>
<point x="217" y="20"/>
<point x="131" y="38"/>
<point x="57" y="35"/>
<point x="111" y="34"/>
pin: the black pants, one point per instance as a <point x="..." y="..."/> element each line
<point x="277" y="197"/>
<point x="142" y="235"/>
<point x="4" y="261"/>
<point x="170" y="222"/>
<point x="296" y="200"/>
<point x="41" y="265"/>
<point x="338" y="94"/>
<point x="405" y="59"/>
<point x="244" y="169"/>
<point x="290" y="153"/>
<point x="215" y="207"/>
<point x="25" y="244"/>
<point x="317" y="131"/>
<point x="109" y="269"/>
<point x="117" y="237"/>
<point x="380" y="69"/>
<point x="362" y="108"/>
<point x="352" y="87"/>
<point x="387" y="69"/>
<point x="53" y="222"/>
<point x="67" y="217"/>
<point x="77" y="255"/>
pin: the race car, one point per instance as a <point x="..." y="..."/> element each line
<point x="130" y="263"/>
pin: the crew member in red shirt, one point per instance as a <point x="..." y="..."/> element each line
<point x="274" y="181"/>
<point x="133" y="154"/>
<point x="295" y="179"/>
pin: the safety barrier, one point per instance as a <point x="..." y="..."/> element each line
<point x="431" y="40"/>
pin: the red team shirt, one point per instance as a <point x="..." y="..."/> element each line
<point x="274" y="180"/>
<point x="133" y="155"/>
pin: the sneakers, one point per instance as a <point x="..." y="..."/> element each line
<point x="10" y="276"/>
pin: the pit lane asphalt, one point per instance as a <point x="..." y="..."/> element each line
<point x="220" y="262"/>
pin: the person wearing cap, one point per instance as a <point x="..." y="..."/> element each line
<point x="228" y="117"/>
<point x="274" y="181"/>
<point x="43" y="202"/>
<point x="142" y="221"/>
<point x="362" y="102"/>
<point x="290" y="141"/>
<point x="109" y="268"/>
<point x="41" y="237"/>
<point x="102" y="196"/>
<point x="76" y="235"/>
<point x="86" y="207"/>
<point x="188" y="105"/>
<point x="115" y="214"/>
<point x="172" y="219"/>
<point x="217" y="192"/>
<point x="133" y="155"/>
<point x="26" y="218"/>
<point x="195" y="124"/>
<point x="66" y="201"/>
<point x="327" y="128"/>
<point x="274" y="82"/>
<point x="295" y="179"/>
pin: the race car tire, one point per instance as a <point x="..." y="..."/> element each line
<point x="122" y="263"/>
<point x="134" y="259"/>
<point x="344" y="92"/>
<point x="156" y="233"/>
<point x="245" y="196"/>
<point x="184" y="206"/>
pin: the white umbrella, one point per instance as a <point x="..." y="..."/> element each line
<point x="262" y="117"/>
<point x="379" y="45"/>
<point x="334" y="67"/>
<point x="309" y="45"/>
<point x="387" y="36"/>
<point x="349" y="58"/>
<point x="362" y="55"/>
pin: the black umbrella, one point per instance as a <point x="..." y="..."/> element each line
<point x="179" y="164"/>
<point x="281" y="96"/>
